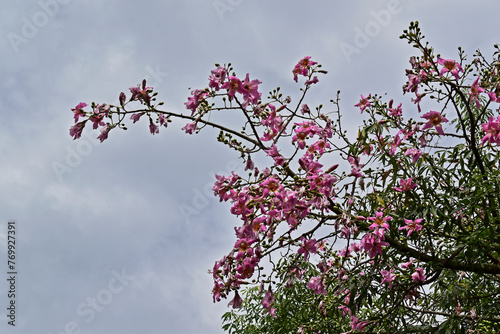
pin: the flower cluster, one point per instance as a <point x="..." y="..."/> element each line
<point x="303" y="68"/>
<point x="96" y="116"/>
<point x="103" y="112"/>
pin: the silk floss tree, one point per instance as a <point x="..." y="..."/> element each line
<point x="401" y="233"/>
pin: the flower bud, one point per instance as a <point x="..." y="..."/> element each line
<point x="122" y="98"/>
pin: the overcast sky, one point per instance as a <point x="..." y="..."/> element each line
<point x="103" y="242"/>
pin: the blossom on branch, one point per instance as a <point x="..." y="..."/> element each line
<point x="141" y="93"/>
<point x="308" y="246"/>
<point x="217" y="77"/>
<point x="79" y="110"/>
<point x="190" y="128"/>
<point x="364" y="103"/>
<point x="449" y="65"/>
<point x="405" y="185"/>
<point x="198" y="96"/>
<point x="418" y="276"/>
<point x="233" y="86"/>
<point x="76" y="130"/>
<point x="303" y="67"/>
<point x="412" y="226"/>
<point x="434" y="120"/>
<point x="474" y="92"/>
<point x="317" y="285"/>
<point x="104" y="133"/>
<point x="268" y="301"/>
<point x="379" y="221"/>
<point x="492" y="130"/>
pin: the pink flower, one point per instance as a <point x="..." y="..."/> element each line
<point x="279" y="160"/>
<point x="96" y="118"/>
<point x="217" y="290"/>
<point x="250" y="91"/>
<point x="451" y="66"/>
<point x="407" y="265"/>
<point x="317" y="285"/>
<point x="356" y="324"/>
<point x="246" y="268"/>
<point x="417" y="100"/>
<point x="388" y="276"/>
<point x="418" y="275"/>
<point x="395" y="144"/>
<point x="79" y="110"/>
<point x="302" y="67"/>
<point x="104" y="109"/>
<point x="303" y="131"/>
<point x="216" y="270"/>
<point x="76" y="130"/>
<point x="379" y="221"/>
<point x="122" y="98"/>
<point x="372" y="244"/>
<point x="309" y="165"/>
<point x="195" y="100"/>
<point x="312" y="81"/>
<point x="319" y="202"/>
<point x="492" y="130"/>
<point x="405" y="185"/>
<point x="493" y="97"/>
<point x="153" y="128"/>
<point x="363" y="103"/>
<point x="163" y="120"/>
<point x="135" y="117"/>
<point x="305" y="109"/>
<point x="268" y="301"/>
<point x="190" y="128"/>
<point x="104" y="133"/>
<point x="318" y="147"/>
<point x="413" y="82"/>
<point x="397" y="112"/>
<point x="423" y="140"/>
<point x="249" y="164"/>
<point x="434" y="119"/>
<point x="273" y="122"/>
<point x="324" y="183"/>
<point x="139" y="94"/>
<point x="475" y="90"/>
<point x="415" y="153"/>
<point x="233" y="86"/>
<point x="223" y="186"/>
<point x="356" y="167"/>
<point x="271" y="186"/>
<point x="308" y="246"/>
<point x="412" y="225"/>
<point x="243" y="245"/>
<point x="236" y="301"/>
<point x="217" y="77"/>
<point x="240" y="206"/>
<point x="258" y="225"/>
